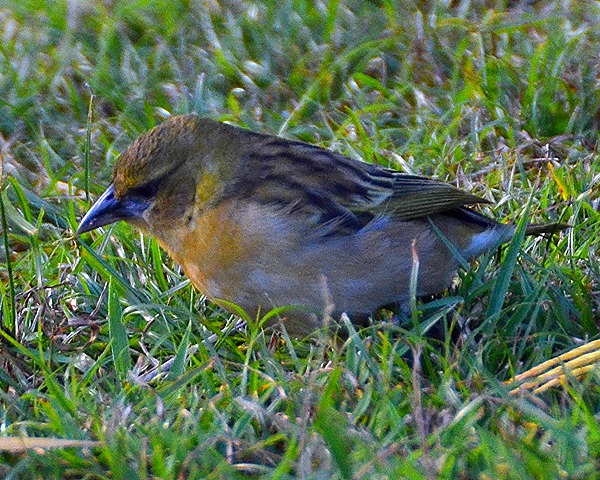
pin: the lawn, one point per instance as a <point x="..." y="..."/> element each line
<point x="113" y="366"/>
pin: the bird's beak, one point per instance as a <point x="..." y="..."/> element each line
<point x="109" y="209"/>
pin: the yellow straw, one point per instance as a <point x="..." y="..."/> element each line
<point x="577" y="362"/>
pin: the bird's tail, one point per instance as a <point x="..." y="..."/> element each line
<point x="545" y="228"/>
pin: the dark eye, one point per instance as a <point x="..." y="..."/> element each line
<point x="147" y="190"/>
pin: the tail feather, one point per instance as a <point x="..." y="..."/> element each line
<point x="545" y="228"/>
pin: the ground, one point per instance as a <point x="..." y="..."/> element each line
<point x="103" y="338"/>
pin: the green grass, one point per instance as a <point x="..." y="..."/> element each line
<point x="501" y="100"/>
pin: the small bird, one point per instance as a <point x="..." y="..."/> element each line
<point x="261" y="221"/>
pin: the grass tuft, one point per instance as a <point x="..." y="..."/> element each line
<point x="103" y="339"/>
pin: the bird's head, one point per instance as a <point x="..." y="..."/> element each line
<point x="162" y="176"/>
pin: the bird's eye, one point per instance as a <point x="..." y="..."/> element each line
<point x="147" y="190"/>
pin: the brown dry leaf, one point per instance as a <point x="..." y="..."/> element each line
<point x="21" y="444"/>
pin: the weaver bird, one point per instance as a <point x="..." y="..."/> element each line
<point x="262" y="222"/>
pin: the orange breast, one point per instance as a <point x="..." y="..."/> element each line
<point x="211" y="250"/>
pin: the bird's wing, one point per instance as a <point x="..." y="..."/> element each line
<point x="340" y="194"/>
<point x="414" y="196"/>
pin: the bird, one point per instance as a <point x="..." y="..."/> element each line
<point x="260" y="221"/>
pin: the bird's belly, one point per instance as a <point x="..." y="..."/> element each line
<point x="355" y="274"/>
<point x="259" y="264"/>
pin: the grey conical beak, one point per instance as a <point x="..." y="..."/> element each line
<point x="109" y="209"/>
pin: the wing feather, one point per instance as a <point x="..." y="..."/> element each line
<point x="338" y="193"/>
